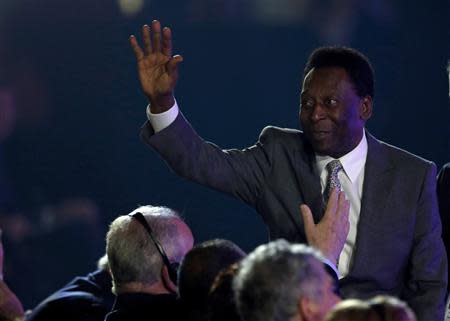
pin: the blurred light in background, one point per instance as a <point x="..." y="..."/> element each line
<point x="131" y="7"/>
<point x="281" y="12"/>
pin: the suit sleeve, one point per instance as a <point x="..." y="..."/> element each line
<point x="240" y="173"/>
<point x="427" y="281"/>
<point x="443" y="191"/>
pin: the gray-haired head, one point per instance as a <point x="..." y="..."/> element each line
<point x="102" y="263"/>
<point x="133" y="256"/>
<point x="275" y="277"/>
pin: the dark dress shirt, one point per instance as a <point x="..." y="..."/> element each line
<point x="87" y="298"/>
<point x="145" y="307"/>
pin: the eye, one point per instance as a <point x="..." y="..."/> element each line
<point x="331" y="102"/>
<point x="307" y="103"/>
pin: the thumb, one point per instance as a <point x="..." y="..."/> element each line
<point x="308" y="220"/>
<point x="172" y="65"/>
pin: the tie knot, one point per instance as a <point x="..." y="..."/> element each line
<point x="334" y="167"/>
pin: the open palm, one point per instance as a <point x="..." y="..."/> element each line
<point x="157" y="68"/>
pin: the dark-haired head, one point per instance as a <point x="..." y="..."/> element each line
<point x="356" y="65"/>
<point x="198" y="270"/>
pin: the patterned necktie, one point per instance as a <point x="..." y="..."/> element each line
<point x="333" y="169"/>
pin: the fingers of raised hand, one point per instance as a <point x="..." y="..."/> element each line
<point x="343" y="212"/>
<point x="155" y="41"/>
<point x="343" y="206"/>
<point x="332" y="202"/>
<point x="136" y="48"/>
<point x="308" y="220"/>
<point x="167" y="41"/>
<point x="156" y="30"/>
<point x="146" y="38"/>
<point x="172" y="65"/>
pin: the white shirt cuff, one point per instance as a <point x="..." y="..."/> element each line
<point x="333" y="267"/>
<point x="162" y="120"/>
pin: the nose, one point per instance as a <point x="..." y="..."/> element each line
<point x="317" y="111"/>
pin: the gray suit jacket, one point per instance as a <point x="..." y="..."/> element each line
<point x="443" y="193"/>
<point x="399" y="250"/>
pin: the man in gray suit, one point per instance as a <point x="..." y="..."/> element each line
<point x="394" y="243"/>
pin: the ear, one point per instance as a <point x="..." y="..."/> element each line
<point x="113" y="288"/>
<point x="108" y="269"/>
<point x="365" y="111"/>
<point x="167" y="282"/>
<point x="308" y="309"/>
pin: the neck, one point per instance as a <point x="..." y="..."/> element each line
<point x="138" y="287"/>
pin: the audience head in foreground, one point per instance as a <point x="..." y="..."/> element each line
<point x="134" y="260"/>
<point x="380" y="308"/>
<point x="198" y="271"/>
<point x="280" y="281"/>
<point x="221" y="302"/>
<point x="143" y="250"/>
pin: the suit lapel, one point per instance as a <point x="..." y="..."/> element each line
<point x="309" y="182"/>
<point x="376" y="189"/>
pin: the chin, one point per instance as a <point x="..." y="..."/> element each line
<point x="321" y="148"/>
<point x="322" y="151"/>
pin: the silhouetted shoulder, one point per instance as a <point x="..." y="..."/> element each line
<point x="405" y="155"/>
<point x="405" y="160"/>
<point x="286" y="136"/>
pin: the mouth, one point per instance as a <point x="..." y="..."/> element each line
<point x="320" y="134"/>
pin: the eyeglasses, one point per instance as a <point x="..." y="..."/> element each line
<point x="172" y="268"/>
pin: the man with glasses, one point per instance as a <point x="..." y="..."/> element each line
<point x="143" y="251"/>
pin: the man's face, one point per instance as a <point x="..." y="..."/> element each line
<point x="331" y="113"/>
<point x="317" y="309"/>
<point x="329" y="299"/>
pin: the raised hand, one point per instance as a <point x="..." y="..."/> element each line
<point x="157" y="68"/>
<point x="330" y="233"/>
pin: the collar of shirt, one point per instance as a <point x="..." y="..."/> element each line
<point x="352" y="162"/>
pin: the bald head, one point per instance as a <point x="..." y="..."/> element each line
<point x="132" y="255"/>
